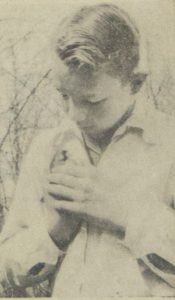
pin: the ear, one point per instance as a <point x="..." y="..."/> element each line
<point x="137" y="81"/>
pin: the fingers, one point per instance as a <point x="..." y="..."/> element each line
<point x="65" y="192"/>
<point x="76" y="207"/>
<point x="8" y="275"/>
<point x="12" y="277"/>
<point x="74" y="183"/>
<point x="70" y="181"/>
<point x="64" y="179"/>
<point x="4" y="279"/>
<point x="66" y="184"/>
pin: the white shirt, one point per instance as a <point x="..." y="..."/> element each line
<point x="139" y="166"/>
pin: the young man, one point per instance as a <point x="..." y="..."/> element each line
<point x="122" y="200"/>
<point x="122" y="197"/>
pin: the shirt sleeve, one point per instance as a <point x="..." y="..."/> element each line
<point x="150" y="232"/>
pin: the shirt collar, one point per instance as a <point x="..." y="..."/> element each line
<point x="90" y="145"/>
<point x="146" y="118"/>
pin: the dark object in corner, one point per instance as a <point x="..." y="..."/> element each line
<point x="160" y="263"/>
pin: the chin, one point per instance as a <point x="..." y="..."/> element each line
<point x="89" y="130"/>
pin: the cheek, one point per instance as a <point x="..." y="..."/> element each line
<point x="109" y="112"/>
<point x="108" y="109"/>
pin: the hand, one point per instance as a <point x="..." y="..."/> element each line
<point x="9" y="273"/>
<point x="13" y="275"/>
<point x="85" y="193"/>
<point x="72" y="182"/>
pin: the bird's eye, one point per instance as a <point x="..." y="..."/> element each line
<point x="64" y="95"/>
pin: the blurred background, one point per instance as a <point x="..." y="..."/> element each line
<point x="28" y="98"/>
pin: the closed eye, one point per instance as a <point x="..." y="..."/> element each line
<point x="96" y="102"/>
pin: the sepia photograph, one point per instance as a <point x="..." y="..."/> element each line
<point x="87" y="149"/>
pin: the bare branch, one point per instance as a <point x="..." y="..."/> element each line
<point x="33" y="91"/>
<point x="4" y="204"/>
<point x="15" y="43"/>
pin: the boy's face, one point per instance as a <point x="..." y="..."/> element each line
<point x="95" y="102"/>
